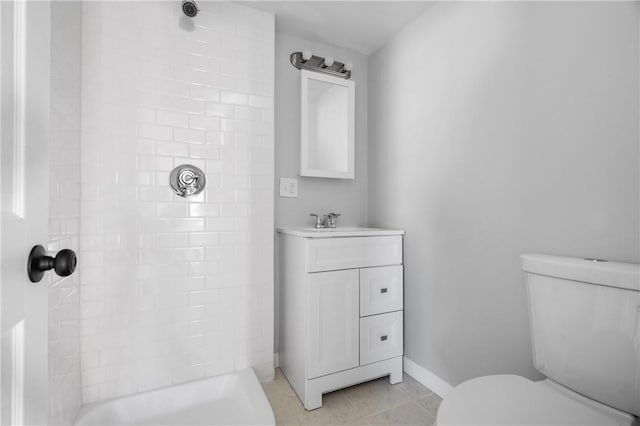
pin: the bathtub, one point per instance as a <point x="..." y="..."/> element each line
<point x="232" y="399"/>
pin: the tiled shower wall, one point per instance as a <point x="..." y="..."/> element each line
<point x="175" y="289"/>
<point x="64" y="211"/>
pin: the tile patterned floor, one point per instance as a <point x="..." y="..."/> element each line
<point x="372" y="403"/>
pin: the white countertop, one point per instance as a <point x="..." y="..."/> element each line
<point x="340" y="231"/>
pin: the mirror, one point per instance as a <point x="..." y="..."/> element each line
<point x="327" y="126"/>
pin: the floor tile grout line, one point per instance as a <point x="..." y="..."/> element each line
<point x="390" y="408"/>
<point x="424" y="409"/>
<point x="432" y="417"/>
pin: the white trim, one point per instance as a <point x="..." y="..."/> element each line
<point x="19" y="105"/>
<point x="2" y="211"/>
<point x="425" y="377"/>
<point x="17" y="374"/>
<point x="276" y="360"/>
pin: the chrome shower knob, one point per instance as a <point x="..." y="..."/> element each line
<point x="187" y="180"/>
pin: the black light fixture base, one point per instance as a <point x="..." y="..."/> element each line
<point x="316" y="63"/>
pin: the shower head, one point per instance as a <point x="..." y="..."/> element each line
<point x="189" y="8"/>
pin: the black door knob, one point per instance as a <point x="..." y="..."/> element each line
<point x="64" y="263"/>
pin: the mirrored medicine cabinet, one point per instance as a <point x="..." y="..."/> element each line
<point x="327" y="126"/>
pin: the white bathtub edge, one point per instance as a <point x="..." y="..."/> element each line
<point x="248" y="378"/>
<point x="265" y="372"/>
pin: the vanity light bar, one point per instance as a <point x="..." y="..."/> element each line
<point x="320" y="64"/>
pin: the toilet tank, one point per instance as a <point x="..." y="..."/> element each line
<point x="585" y="326"/>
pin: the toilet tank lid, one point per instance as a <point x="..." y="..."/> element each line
<point x="612" y="274"/>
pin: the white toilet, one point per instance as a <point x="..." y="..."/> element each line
<point x="585" y="327"/>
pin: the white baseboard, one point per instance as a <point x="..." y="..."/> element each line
<point x="276" y="360"/>
<point x="427" y="378"/>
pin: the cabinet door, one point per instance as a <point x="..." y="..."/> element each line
<point x="333" y="322"/>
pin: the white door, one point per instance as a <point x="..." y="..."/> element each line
<point x="24" y="52"/>
<point x="333" y="322"/>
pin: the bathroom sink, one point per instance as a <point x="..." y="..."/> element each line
<point x="340" y="231"/>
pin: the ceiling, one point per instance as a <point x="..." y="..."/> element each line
<point x="363" y="26"/>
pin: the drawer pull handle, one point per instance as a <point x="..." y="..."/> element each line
<point x="383" y="338"/>
<point x="383" y="290"/>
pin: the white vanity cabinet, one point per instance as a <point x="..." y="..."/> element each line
<point x="341" y="308"/>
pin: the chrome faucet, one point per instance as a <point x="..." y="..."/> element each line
<point x="332" y="220"/>
<point x="329" y="220"/>
<point x="319" y="222"/>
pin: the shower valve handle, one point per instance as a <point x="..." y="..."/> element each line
<point x="64" y="263"/>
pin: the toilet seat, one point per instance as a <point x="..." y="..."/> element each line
<point x="515" y="400"/>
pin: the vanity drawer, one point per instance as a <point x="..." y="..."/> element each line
<point x="380" y="337"/>
<point x="327" y="254"/>
<point x="380" y="290"/>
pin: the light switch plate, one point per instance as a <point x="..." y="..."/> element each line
<point x="289" y="187"/>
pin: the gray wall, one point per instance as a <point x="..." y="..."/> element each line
<point x="498" y="129"/>
<point x="317" y="195"/>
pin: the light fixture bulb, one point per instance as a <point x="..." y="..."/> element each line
<point x="328" y="61"/>
<point x="348" y="66"/>
<point x="306" y="54"/>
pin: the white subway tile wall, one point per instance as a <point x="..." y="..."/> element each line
<point x="64" y="212"/>
<point x="175" y="289"/>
